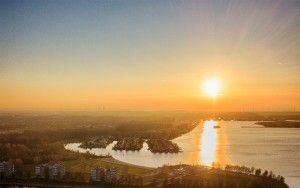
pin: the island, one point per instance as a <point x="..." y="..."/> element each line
<point x="162" y="146"/>
<point x="97" y="142"/>
<point x="129" y="144"/>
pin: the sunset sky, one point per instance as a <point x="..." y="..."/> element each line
<point x="149" y="54"/>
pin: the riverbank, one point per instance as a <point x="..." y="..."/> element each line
<point x="279" y="124"/>
<point x="258" y="147"/>
<point x="179" y="176"/>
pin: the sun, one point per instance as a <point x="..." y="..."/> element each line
<point x="211" y="87"/>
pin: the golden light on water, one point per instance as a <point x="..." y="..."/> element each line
<point x="208" y="144"/>
<point x="211" y="87"/>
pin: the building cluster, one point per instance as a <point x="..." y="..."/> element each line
<point x="56" y="171"/>
<point x="6" y="168"/>
<point x="50" y="171"/>
<point x="109" y="175"/>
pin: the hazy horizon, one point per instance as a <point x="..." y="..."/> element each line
<point x="149" y="55"/>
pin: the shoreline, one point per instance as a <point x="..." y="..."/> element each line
<point x="289" y="182"/>
<point x="279" y="124"/>
<point x="187" y="173"/>
<point x="113" y="160"/>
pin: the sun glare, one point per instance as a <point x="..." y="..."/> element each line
<point x="211" y="87"/>
<point x="208" y="143"/>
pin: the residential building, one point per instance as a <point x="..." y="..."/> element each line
<point x="112" y="175"/>
<point x="50" y="171"/>
<point x="56" y="171"/>
<point x="109" y="175"/>
<point x="42" y="171"/>
<point x="98" y="174"/>
<point x="7" y="168"/>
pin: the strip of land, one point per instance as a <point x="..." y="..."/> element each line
<point x="180" y="176"/>
<point x="279" y="124"/>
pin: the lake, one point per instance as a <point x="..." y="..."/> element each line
<point x="235" y="142"/>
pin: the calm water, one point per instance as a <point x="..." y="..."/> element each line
<point x="242" y="143"/>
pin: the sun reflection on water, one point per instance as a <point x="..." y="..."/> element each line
<point x="208" y="144"/>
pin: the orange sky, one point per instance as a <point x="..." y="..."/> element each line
<point x="149" y="55"/>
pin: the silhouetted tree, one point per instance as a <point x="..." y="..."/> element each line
<point x="265" y="174"/>
<point x="258" y="172"/>
<point x="281" y="180"/>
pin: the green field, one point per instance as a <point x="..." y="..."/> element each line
<point x="79" y="170"/>
<point x="86" y="165"/>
